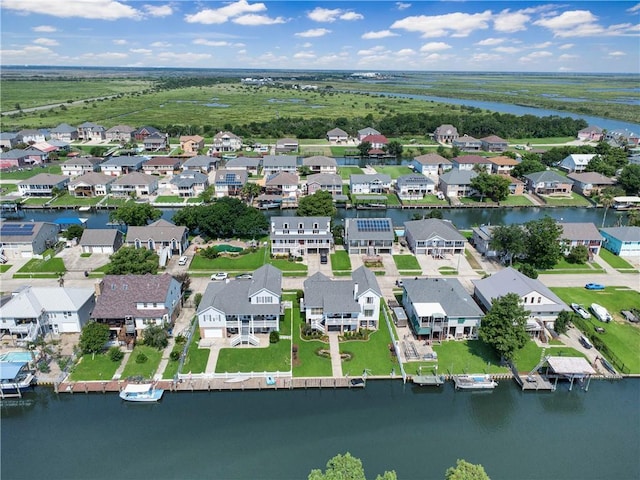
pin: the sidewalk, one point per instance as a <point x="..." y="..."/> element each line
<point x="334" y="348"/>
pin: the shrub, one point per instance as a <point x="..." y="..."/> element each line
<point x="63" y="363"/>
<point x="115" y="354"/>
<point x="528" y="270"/>
<point x="299" y="295"/>
<point x="141" y="358"/>
<point x="274" y="337"/>
<point x="210" y="253"/>
<point x="181" y="339"/>
<point x="196" y="299"/>
<point x="44" y="367"/>
<point x="174" y="355"/>
<point x="578" y="255"/>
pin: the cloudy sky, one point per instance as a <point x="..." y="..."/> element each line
<point x="588" y="36"/>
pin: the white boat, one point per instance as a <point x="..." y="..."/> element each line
<point x="16" y="377"/>
<point x="474" y="382"/>
<point x="143" y="392"/>
<point x="601" y="313"/>
<point x="580" y="310"/>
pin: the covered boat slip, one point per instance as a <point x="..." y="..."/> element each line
<point x="570" y="368"/>
<point x="15" y="377"/>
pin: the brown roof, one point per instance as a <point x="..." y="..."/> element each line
<point x="120" y="293"/>
<point x="594" y="178"/>
<point x="162" y="161"/>
<point x="470" y="159"/>
<point x="503" y="161"/>
<point x="432" y="159"/>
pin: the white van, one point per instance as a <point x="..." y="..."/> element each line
<point x="183" y="260"/>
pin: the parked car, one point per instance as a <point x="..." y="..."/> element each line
<point x="323" y="259"/>
<point x="220" y="276"/>
<point x="630" y="316"/>
<point x="585" y="342"/>
<point x="594" y="286"/>
<point x="244" y="276"/>
<point x="399" y="283"/>
<point x="183" y="260"/>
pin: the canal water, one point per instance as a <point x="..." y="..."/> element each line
<point x="462" y="218"/>
<point x="418" y="432"/>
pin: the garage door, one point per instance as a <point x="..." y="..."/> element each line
<point x="212" y="333"/>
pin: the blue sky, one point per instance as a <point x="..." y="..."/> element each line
<point x="591" y="36"/>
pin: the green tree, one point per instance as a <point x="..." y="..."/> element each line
<point x="395" y="148"/>
<point x="527" y="166"/>
<point x="364" y="148"/>
<point x="74" y="231"/>
<point x="131" y="260"/>
<point x="629" y="179"/>
<point x="98" y="151"/>
<point x="605" y="198"/>
<point x="466" y="471"/>
<point x="346" y="467"/>
<point x="207" y="195"/>
<point x="578" y="255"/>
<point x="249" y="191"/>
<point x="156" y="336"/>
<point x="93" y="338"/>
<point x="135" y="214"/>
<point x="543" y="246"/>
<point x="503" y="327"/>
<point x="564" y="319"/>
<point x="633" y="219"/>
<point x="320" y="204"/>
<point x="508" y="241"/>
<point x="496" y="187"/>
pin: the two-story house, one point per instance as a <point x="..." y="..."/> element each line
<point x="155" y="142"/>
<point x="163" y="237"/>
<point x="337" y="135"/>
<point x="320" y="164"/>
<point x="64" y="132"/>
<point x="279" y="163"/>
<point x="502" y="165"/>
<point x="191" y="144"/>
<point x="200" y="163"/>
<point x="368" y="236"/>
<point x="548" y="182"/>
<point x="120" y="133"/>
<point x="576" y="162"/>
<point x="283" y="184"/>
<point x="143" y="132"/>
<point x="467" y="143"/>
<point x="472" y="162"/>
<point x="342" y="305"/>
<point x="590" y="183"/>
<point x="431" y="164"/>
<point x="32" y="135"/>
<point x="494" y="143"/>
<point x="590" y="134"/>
<point x="623" y="241"/>
<point x="135" y="184"/>
<point x="369" y="184"/>
<point x="445" y="134"/>
<point x="581" y="233"/>
<point x="80" y="165"/>
<point x="542" y="304"/>
<point x="456" y="183"/>
<point x="89" y="131"/>
<point x="42" y="185"/>
<point x="365" y="132"/>
<point x="229" y="183"/>
<point x="162" y="166"/>
<point x="92" y="184"/>
<point x="128" y="304"/>
<point x="378" y="142"/>
<point x="38" y="311"/>
<point x="329" y="182"/>
<point x="440" y="309"/>
<point x="432" y="236"/>
<point x="226" y="142"/>
<point x="116" y="166"/>
<point x="26" y="239"/>
<point x="287" y="145"/>
<point x="249" y="164"/>
<point x="298" y="236"/>
<point x="189" y="183"/>
<point x="241" y="309"/>
<point x="414" y="186"/>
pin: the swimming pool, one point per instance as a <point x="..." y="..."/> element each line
<point x="16" y="357"/>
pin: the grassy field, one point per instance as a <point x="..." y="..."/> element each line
<point x="98" y="367"/>
<point x="346" y="172"/>
<point x="407" y="263"/>
<point x="273" y="358"/>
<point x="565" y="267"/>
<point x="66" y="200"/>
<point x="197" y="358"/>
<point x="394" y="171"/>
<point x="169" y="199"/>
<point x="146" y="369"/>
<point x="236" y="263"/>
<point x="621" y="337"/>
<point x="340" y="261"/>
<point x="574" y="200"/>
<point x="470" y="356"/>
<point x="372" y="355"/>
<point x="308" y="363"/>
<point x="616" y="261"/>
<point x="37" y="265"/>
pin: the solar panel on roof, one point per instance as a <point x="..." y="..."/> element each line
<point x="11" y="229"/>
<point x="372" y="225"/>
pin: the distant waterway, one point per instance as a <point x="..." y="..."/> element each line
<point x="606" y="123"/>
<point x="463" y="218"/>
<point x="418" y="432"/>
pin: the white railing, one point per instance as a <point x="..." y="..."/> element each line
<point x="249" y="338"/>
<point x="318" y="326"/>
<point x="233" y="377"/>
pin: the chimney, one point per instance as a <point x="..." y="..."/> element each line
<point x="98" y="287"/>
<point x="355" y="291"/>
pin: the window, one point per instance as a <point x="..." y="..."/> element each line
<point x="368" y="313"/>
<point x="369" y="300"/>
<point x="539" y="299"/>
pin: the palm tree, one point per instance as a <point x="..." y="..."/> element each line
<point x="606" y="200"/>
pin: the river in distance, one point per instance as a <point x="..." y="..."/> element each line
<point x="416" y="431"/>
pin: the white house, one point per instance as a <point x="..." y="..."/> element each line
<point x="576" y="162"/>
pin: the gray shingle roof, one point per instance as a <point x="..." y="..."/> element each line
<point x="243" y="162"/>
<point x="413" y="179"/>
<point x="432" y="227"/>
<point x="93" y="178"/>
<point x="458" y="177"/>
<point x="271" y="161"/>
<point x="333" y="296"/>
<point x="580" y="231"/>
<point x="282" y="178"/>
<point x="307" y="222"/>
<point x="319" y="160"/>
<point x="448" y="292"/>
<point x="325" y="179"/>
<point x="44" y="179"/>
<point x="160" y="231"/>
<point x="432" y="159"/>
<point x="547" y="176"/>
<point x="624" y="234"/>
<point x="594" y="178"/>
<point x="199" y="161"/>
<point x="358" y="178"/>
<point x="98" y="237"/>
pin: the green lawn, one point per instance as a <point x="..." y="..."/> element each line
<point x="248" y="262"/>
<point x="115" y="201"/>
<point x="615" y="261"/>
<point x="308" y="363"/>
<point x="197" y="358"/>
<point x="274" y="358"/>
<point x="36" y="265"/>
<point x="394" y="171"/>
<point x="426" y="200"/>
<point x="28" y="173"/>
<point x="470" y="356"/>
<point x="620" y="336"/>
<point x="372" y="355"/>
<point x="574" y="200"/>
<point x="169" y="199"/>
<point x="473" y="263"/>
<point x="146" y="369"/>
<point x="4" y="267"/>
<point x="39" y="201"/>
<point x="447" y="271"/>
<point x="99" y="367"/>
<point x="346" y="172"/>
<point x="340" y="261"/>
<point x="288" y="267"/>
<point x="8" y="188"/>
<point x="516" y="201"/>
<point x="194" y="200"/>
<point x="565" y="267"/>
<point x="68" y="200"/>
<point x="407" y="263"/>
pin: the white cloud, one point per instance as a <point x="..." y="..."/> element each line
<point x="253" y="20"/>
<point x="304" y="55"/>
<point x="105" y="56"/>
<point x="582" y="23"/>
<point x="119" y="41"/>
<point x="507" y="49"/>
<point x="141" y="51"/>
<point x="490" y="41"/>
<point x="534" y="56"/>
<point x="91" y="9"/>
<point x="566" y="46"/>
<point x="47" y="42"/>
<point x="377" y="50"/>
<point x="307" y="45"/>
<point x="402" y="6"/>
<point x="510" y="22"/>
<point x="484" y="57"/>
<point x="457" y="24"/>
<point x="435" y="47"/>
<point x="313" y="33"/>
<point x="183" y="57"/>
<point x="327" y="15"/>
<point x="566" y="56"/>
<point x="634" y="9"/>
<point x="211" y="43"/>
<point x="44" y="29"/>
<point x="160" y="44"/>
<point x="29" y="51"/>
<point x="378" y="34"/>
<point x="542" y="45"/>
<point x="617" y="54"/>
<point x="159" y="10"/>
<point x="406" y="52"/>
<point x="210" y="16"/>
